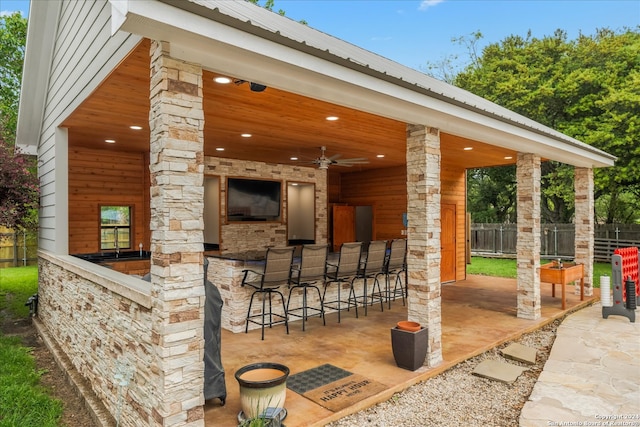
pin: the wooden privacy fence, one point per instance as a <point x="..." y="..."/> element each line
<point x="18" y="248"/>
<point x="556" y="240"/>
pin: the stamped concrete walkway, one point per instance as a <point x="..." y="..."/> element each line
<point x="592" y="376"/>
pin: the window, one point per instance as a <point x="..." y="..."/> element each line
<point x="115" y="227"/>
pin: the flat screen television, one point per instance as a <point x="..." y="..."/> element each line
<point x="253" y="199"/>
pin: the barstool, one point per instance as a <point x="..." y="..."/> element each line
<point x="313" y="266"/>
<point x="396" y="265"/>
<point x="347" y="266"/>
<point x="277" y="271"/>
<point x="371" y="268"/>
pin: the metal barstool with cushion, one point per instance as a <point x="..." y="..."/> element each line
<point x="370" y="268"/>
<point x="396" y="266"/>
<point x="347" y="266"/>
<point x="312" y="269"/>
<point x="277" y="270"/>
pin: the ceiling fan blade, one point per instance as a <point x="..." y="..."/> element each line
<point x="324" y="162"/>
<point x="354" y="161"/>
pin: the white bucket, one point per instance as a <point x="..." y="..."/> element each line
<point x="605" y="291"/>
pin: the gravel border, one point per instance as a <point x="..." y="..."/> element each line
<point x="457" y="397"/>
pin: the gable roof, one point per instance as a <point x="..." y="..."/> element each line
<point x="247" y="41"/>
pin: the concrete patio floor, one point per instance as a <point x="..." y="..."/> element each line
<point x="477" y="314"/>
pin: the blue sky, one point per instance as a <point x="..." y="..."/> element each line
<point x="417" y="32"/>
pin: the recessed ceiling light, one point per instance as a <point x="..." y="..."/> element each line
<point x="332" y="118"/>
<point x="222" y="80"/>
<point x="294" y="183"/>
<point x="293" y="158"/>
<point x="246" y="135"/>
<point x="468" y="148"/>
<point x="134" y="127"/>
<point x="110" y="141"/>
<point x="380" y="156"/>
<point x="508" y="157"/>
<point x="220" y="149"/>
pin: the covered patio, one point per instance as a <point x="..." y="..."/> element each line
<point x="478" y="313"/>
<point x="125" y="110"/>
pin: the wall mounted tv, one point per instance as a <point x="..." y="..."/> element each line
<point x="253" y="199"/>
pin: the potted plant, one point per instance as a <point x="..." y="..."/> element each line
<point x="263" y="391"/>
<point x="409" y="342"/>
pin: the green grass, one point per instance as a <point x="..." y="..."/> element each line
<point x="23" y="401"/>
<point x="504" y="267"/>
<point x="16" y="286"/>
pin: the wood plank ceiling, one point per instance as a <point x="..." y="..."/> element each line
<point x="282" y="125"/>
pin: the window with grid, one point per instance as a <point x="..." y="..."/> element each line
<point x="115" y="227"/>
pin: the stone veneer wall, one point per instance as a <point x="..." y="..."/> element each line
<point x="247" y="236"/>
<point x="102" y="332"/>
<point x="585" y="226"/>
<point x="423" y="244"/>
<point x="176" y="164"/>
<point x="528" y="245"/>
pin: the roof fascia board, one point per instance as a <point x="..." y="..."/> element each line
<point x="499" y="113"/>
<point x="313" y="80"/>
<point x="235" y="52"/>
<point x="42" y="27"/>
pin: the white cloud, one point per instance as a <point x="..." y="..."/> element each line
<point x="9" y="12"/>
<point x="425" y="4"/>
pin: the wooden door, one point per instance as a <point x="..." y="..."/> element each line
<point x="343" y="226"/>
<point x="448" y="243"/>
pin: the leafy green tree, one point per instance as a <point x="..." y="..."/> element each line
<point x="492" y="194"/>
<point x="13" y="38"/>
<point x="588" y="89"/>
<point x="18" y="182"/>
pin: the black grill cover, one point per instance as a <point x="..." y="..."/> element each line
<point x="214" y="384"/>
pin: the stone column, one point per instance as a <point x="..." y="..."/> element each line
<point x="176" y="120"/>
<point x="585" y="226"/>
<point x="528" y="246"/>
<point x="423" y="234"/>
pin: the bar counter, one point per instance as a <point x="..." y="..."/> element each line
<point x="226" y="272"/>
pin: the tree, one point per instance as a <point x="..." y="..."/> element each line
<point x="492" y="194"/>
<point x="13" y="38"/>
<point x="588" y="89"/>
<point x="18" y="182"/>
<point x="18" y="190"/>
<point x="269" y="4"/>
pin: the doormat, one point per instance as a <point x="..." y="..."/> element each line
<point x="333" y="388"/>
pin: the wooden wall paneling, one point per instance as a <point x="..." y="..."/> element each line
<point x="333" y="187"/>
<point x="104" y="177"/>
<point x="383" y="189"/>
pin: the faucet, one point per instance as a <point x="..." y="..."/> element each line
<point x="115" y="241"/>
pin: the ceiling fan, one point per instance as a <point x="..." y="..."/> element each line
<point x="324" y="162"/>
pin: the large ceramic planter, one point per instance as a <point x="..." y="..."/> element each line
<point x="262" y="386"/>
<point x="409" y="348"/>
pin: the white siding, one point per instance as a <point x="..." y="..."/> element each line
<point x="84" y="55"/>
